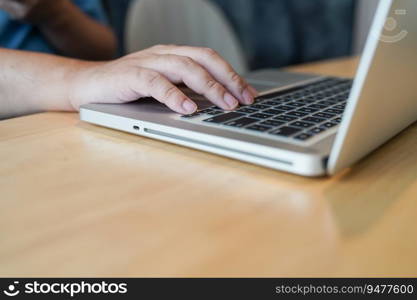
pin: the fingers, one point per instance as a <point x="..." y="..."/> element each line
<point x="217" y="67"/>
<point x="186" y="70"/>
<point x="152" y="84"/>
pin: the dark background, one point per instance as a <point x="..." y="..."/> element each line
<point x="276" y="33"/>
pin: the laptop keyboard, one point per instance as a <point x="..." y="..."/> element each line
<point x="300" y="113"/>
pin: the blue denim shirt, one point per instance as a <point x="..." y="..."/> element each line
<point x="23" y="36"/>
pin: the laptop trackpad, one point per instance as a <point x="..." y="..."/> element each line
<point x="267" y="79"/>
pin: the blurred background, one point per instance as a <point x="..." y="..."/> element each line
<point x="253" y="34"/>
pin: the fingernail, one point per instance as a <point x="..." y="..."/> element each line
<point x="189" y="106"/>
<point x="253" y="91"/>
<point x="247" y="96"/>
<point x="230" y="100"/>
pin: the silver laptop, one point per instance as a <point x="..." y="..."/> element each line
<point x="304" y="124"/>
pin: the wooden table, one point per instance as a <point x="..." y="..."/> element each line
<point x="80" y="200"/>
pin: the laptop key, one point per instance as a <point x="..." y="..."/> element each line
<point x="308" y="100"/>
<point x="337" y="120"/>
<point x="272" y="103"/>
<point x="305" y="101"/>
<point x="303" y="136"/>
<point x="308" y="110"/>
<point x="286" y="131"/>
<point x="224" y="117"/>
<point x="285" y="108"/>
<point x="312" y="99"/>
<point x="316" y="130"/>
<point x="260" y="106"/>
<point x="297" y="114"/>
<point x="264" y="98"/>
<point x="260" y="128"/>
<point x="273" y="112"/>
<point x="242" y="122"/>
<point x="317" y="106"/>
<point x="267" y="103"/>
<point x="326" y="103"/>
<point x="328" y="125"/>
<point x="340" y="106"/>
<point x="334" y="111"/>
<point x="302" y="124"/>
<point x="247" y="110"/>
<point x="196" y="114"/>
<point x="318" y="97"/>
<point x="313" y="120"/>
<point x="324" y="115"/>
<point x="285" y="118"/>
<point x="272" y="123"/>
<point x="215" y="112"/>
<point x="260" y="116"/>
<point x="295" y="104"/>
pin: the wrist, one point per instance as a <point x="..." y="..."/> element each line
<point x="78" y="77"/>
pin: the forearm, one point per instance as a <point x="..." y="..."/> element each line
<point x="32" y="82"/>
<point x="75" y="34"/>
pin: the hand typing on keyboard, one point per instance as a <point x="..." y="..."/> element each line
<point x="154" y="73"/>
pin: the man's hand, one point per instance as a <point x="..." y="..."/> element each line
<point x="29" y="10"/>
<point x="32" y="82"/>
<point x="154" y="73"/>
